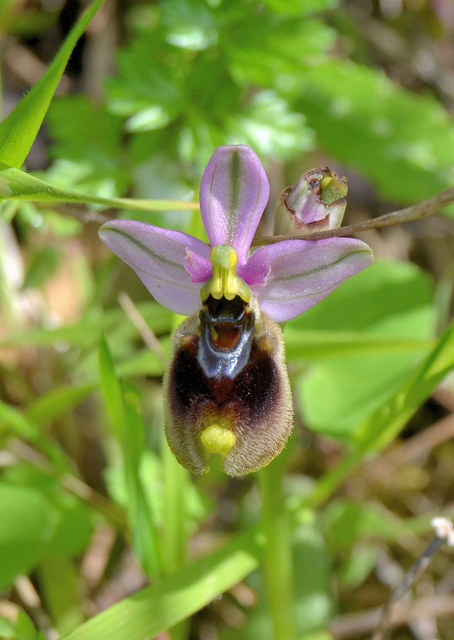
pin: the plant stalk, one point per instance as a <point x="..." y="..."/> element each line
<point x="278" y="562"/>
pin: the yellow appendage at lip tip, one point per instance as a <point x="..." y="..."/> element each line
<point x="217" y="439"/>
<point x="224" y="283"/>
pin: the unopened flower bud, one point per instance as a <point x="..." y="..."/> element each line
<point x="316" y="202"/>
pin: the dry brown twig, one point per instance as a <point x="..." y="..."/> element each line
<point x="444" y="534"/>
<point x="408" y="214"/>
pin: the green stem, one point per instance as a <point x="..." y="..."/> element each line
<point x="278" y="563"/>
<point x="175" y="529"/>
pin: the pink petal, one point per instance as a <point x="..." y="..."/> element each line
<point x="257" y="268"/>
<point x="233" y="194"/>
<point x="198" y="267"/>
<point x="157" y="256"/>
<point x="303" y="272"/>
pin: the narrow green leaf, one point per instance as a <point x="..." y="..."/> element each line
<point x="385" y="423"/>
<point x="61" y="596"/>
<point x="22" y="427"/>
<point x="314" y="345"/>
<point x="170" y="600"/>
<point x="20" y="128"/>
<point x="57" y="402"/>
<point x="111" y="388"/>
<point x="20" y="185"/>
<point x="142" y="524"/>
<point x="123" y="407"/>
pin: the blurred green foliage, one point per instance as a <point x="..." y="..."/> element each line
<point x="83" y="451"/>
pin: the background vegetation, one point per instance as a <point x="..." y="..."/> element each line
<point x="92" y="505"/>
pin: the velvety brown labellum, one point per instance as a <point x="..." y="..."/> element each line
<point x="228" y="369"/>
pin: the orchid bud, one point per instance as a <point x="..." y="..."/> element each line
<point x="316" y="202"/>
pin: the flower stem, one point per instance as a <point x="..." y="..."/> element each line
<point x="278" y="563"/>
<point x="175" y="530"/>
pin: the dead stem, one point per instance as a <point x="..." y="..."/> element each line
<point x="408" y="214"/>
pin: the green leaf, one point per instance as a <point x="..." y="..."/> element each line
<point x="377" y="430"/>
<point x="313" y="598"/>
<point x="57" y="402"/>
<point x="123" y="407"/>
<point x="190" y="24"/>
<point x="88" y="155"/>
<point x="272" y="51"/>
<point x="142" y="522"/>
<point x="44" y="263"/>
<point x="172" y="599"/>
<point x="20" y="128"/>
<point x="111" y="389"/>
<point x="28" y="522"/>
<point x="404" y="143"/>
<point x="300" y="8"/>
<point x="346" y="522"/>
<point x="313" y="346"/>
<point x="7" y="629"/>
<point x="268" y="125"/>
<point x="60" y="588"/>
<point x="18" y="184"/>
<point x="25" y="628"/>
<point x="385" y="304"/>
<point x="145" y="82"/>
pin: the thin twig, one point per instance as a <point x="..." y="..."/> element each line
<point x="444" y="534"/>
<point x="348" y="625"/>
<point x="146" y="333"/>
<point x="409" y="214"/>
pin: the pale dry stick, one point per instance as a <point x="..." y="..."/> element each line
<point x="146" y="333"/>
<point x="347" y="625"/>
<point x="408" y="214"/>
<point x="444" y="534"/>
<point x="424" y="442"/>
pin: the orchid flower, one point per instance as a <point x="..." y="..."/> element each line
<point x="227" y="388"/>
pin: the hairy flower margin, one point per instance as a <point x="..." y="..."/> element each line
<point x="233" y="296"/>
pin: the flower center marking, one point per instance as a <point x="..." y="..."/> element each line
<point x="224" y="282"/>
<point x="217" y="439"/>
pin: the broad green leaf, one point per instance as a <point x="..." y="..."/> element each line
<point x="270" y="127"/>
<point x="18" y="184"/>
<point x="74" y="527"/>
<point x="272" y="50"/>
<point x="28" y="522"/>
<point x="402" y="142"/>
<point x="377" y="430"/>
<point x="20" y="128"/>
<point x="89" y="155"/>
<point x="385" y="304"/>
<point x="190" y="24"/>
<point x="173" y="599"/>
